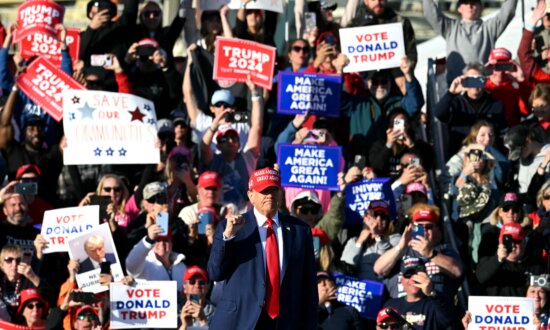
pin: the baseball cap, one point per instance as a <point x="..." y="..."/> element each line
<point x="209" y="179"/>
<point x="379" y="206"/>
<point x="513" y="229"/>
<point x="181" y="121"/>
<point x="410" y="264"/>
<point x="195" y="271"/>
<point x="416" y="187"/>
<point x="225" y="129"/>
<point x="500" y="54"/>
<point x="223" y="95"/>
<point x="325" y="275"/>
<point x="87" y="308"/>
<point x="305" y="196"/>
<point x="147" y="47"/>
<point x="154" y="188"/>
<point x="323" y="237"/>
<point x="329" y="5"/>
<point x="33" y="120"/>
<point x="509" y="199"/>
<point x="31" y="294"/>
<point x="514" y="140"/>
<point x="25" y="169"/>
<point x="384" y="316"/>
<point x="263" y="179"/>
<point x="165" y="126"/>
<point x="424" y="215"/>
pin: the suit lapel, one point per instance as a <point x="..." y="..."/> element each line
<point x="253" y="232"/>
<point x="287" y="242"/>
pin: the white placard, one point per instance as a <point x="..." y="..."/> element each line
<point x="148" y="304"/>
<point x="88" y="274"/>
<point x="109" y="128"/>
<point x="501" y="312"/>
<point x="372" y="47"/>
<point x="59" y="225"/>
<point x="271" y="5"/>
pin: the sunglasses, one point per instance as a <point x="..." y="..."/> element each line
<point x="546" y="197"/>
<point x="223" y="105"/>
<point x="298" y="49"/>
<point x="200" y="282"/>
<point x="382" y="215"/>
<point x="225" y="139"/>
<point x="154" y="13"/>
<point x="88" y="316"/>
<point x="377" y="82"/>
<point x="507" y="208"/>
<point x="392" y="326"/>
<point x="35" y="305"/>
<point x="9" y="260"/>
<point x="115" y="189"/>
<point x="308" y="209"/>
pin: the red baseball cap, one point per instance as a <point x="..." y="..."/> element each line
<point x="28" y="295"/>
<point x="424" y="215"/>
<point x="513" y="229"/>
<point x="263" y="179"/>
<point x="224" y="130"/>
<point x="148" y="42"/>
<point x="195" y="271"/>
<point x="500" y="55"/>
<point x="209" y="179"/>
<point x="384" y="316"/>
<point x="379" y="206"/>
<point x="87" y="308"/>
<point x="323" y="237"/>
<point x="416" y="187"/>
<point x="27" y="168"/>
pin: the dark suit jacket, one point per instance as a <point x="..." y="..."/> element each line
<point x="240" y="263"/>
<point x="87" y="265"/>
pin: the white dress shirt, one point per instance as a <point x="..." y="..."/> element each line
<point x="262" y="228"/>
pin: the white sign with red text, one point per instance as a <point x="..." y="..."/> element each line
<point x="491" y="313"/>
<point x="271" y="5"/>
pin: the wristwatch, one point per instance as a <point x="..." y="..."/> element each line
<point x="433" y="294"/>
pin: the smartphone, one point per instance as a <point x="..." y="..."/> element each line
<point x="101" y="60"/>
<point x="316" y="246"/>
<point x="508" y="243"/>
<point x="399" y="125"/>
<point x="406" y="203"/>
<point x="360" y="161"/>
<point x="205" y="218"/>
<point x="102" y="201"/>
<point x="505" y="67"/>
<point x="473" y="82"/>
<point x="474" y="156"/>
<point x="194" y="298"/>
<point x="87" y="298"/>
<point x="105" y="267"/>
<point x="418" y="231"/>
<point x="162" y="221"/>
<point x="415" y="161"/>
<point x="26" y="188"/>
<point x="310" y="21"/>
<point x="330" y="40"/>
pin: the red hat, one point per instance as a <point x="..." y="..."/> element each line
<point x="424" y="215"/>
<point x="225" y="129"/>
<point x="27" y="168"/>
<point x="379" y="206"/>
<point x="28" y="295"/>
<point x="263" y="179"/>
<point x="384" y="316"/>
<point x="513" y="229"/>
<point x="87" y="308"/>
<point x="500" y="55"/>
<point x="195" y="271"/>
<point x="323" y="237"/>
<point x="148" y="42"/>
<point x="210" y="179"/>
<point x="416" y="187"/>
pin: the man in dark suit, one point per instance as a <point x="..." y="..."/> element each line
<point x="266" y="260"/>
<point x="95" y="249"/>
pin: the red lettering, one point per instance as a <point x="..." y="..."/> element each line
<point x="377" y="36"/>
<point x="143" y="293"/>
<point x="507" y="309"/>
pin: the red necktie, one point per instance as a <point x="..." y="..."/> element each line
<point x="272" y="271"/>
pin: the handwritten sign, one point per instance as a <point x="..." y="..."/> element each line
<point x="40" y="44"/>
<point x="236" y="59"/>
<point x="88" y="276"/>
<point x="109" y="128"/>
<point x="310" y="166"/>
<point x="148" y="304"/>
<point x="271" y="5"/>
<point x="361" y="193"/>
<point x="317" y="93"/>
<point x="501" y="313"/>
<point x="372" y="47"/>
<point x="363" y="295"/>
<point x="61" y="224"/>
<point x="44" y="83"/>
<point x="38" y="16"/>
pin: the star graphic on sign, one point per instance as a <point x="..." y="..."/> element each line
<point x="136" y="115"/>
<point x="147" y="107"/>
<point x="109" y="151"/>
<point x="75" y="99"/>
<point x="152" y="121"/>
<point x="122" y="152"/>
<point x="86" y="111"/>
<point x="71" y="116"/>
<point x="97" y="152"/>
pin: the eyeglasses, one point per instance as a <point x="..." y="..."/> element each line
<point x="88" y="316"/>
<point x="199" y="282"/>
<point x="225" y="139"/>
<point x="298" y="49"/>
<point x="507" y="208"/>
<point x="377" y="82"/>
<point x="223" y="105"/>
<point x="392" y="326"/>
<point x="382" y="215"/>
<point x="9" y="260"/>
<point x="35" y="305"/>
<point x="308" y="209"/>
<point x="115" y="189"/>
<point x="154" y="13"/>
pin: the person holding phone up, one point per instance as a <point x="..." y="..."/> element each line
<point x="197" y="309"/>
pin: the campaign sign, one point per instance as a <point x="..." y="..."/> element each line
<point x="38" y="16"/>
<point x="61" y="224"/>
<point x="40" y="44"/>
<point x="92" y="248"/>
<point x="109" y="128"/>
<point x="147" y="304"/>
<point x="271" y="5"/>
<point x="490" y="313"/>
<point x="372" y="47"/>
<point x="310" y="166"/>
<point x="236" y="59"/>
<point x="363" y="295"/>
<point x="44" y="83"/>
<point x="360" y="194"/>
<point x="317" y="93"/>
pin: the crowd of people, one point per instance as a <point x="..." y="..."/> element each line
<point x="254" y="261"/>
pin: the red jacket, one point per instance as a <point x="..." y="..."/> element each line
<point x="530" y="68"/>
<point x="514" y="96"/>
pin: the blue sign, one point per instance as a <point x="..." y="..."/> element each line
<point x="310" y="166"/>
<point x="361" y="193"/>
<point x="363" y="295"/>
<point x="318" y="93"/>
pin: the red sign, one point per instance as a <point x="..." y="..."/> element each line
<point x="235" y="59"/>
<point x="44" y="83"/>
<point x="38" y="16"/>
<point x="39" y="44"/>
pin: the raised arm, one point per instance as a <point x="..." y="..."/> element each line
<point x="6" y="129"/>
<point x="227" y="30"/>
<point x="192" y="108"/>
<point x="256" y="121"/>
